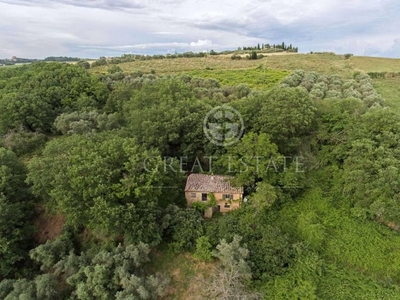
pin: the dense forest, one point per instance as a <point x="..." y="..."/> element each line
<point x="74" y="143"/>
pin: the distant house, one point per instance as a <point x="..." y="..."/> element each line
<point x="199" y="188"/>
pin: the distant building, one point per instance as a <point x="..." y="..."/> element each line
<point x="200" y="186"/>
<point x="14" y="58"/>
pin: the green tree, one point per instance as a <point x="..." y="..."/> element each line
<point x="39" y="92"/>
<point x="84" y="64"/>
<point x="22" y="289"/>
<point x="371" y="170"/>
<point x="269" y="247"/>
<point x="166" y="115"/>
<point x="233" y="257"/>
<point x="230" y="279"/>
<point x="22" y="141"/>
<point x="46" y="287"/>
<point x="86" y="122"/>
<point x="42" y="287"/>
<point x="182" y="227"/>
<point x="253" y="158"/>
<point x="102" y="61"/>
<point x="287" y="115"/>
<point x="48" y="254"/>
<point x="114" y="69"/>
<point x="120" y="94"/>
<point x="337" y="121"/>
<point x="115" y="274"/>
<point x="106" y="182"/>
<point x="15" y="211"/>
<point x="253" y="55"/>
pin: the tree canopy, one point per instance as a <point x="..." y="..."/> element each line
<point x="103" y="181"/>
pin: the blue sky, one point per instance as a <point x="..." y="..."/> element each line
<point x="41" y="28"/>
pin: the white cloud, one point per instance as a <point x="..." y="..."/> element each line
<point x="170" y="46"/>
<point x="40" y="28"/>
<point x="167" y="33"/>
<point x="139" y="46"/>
<point x="201" y="43"/>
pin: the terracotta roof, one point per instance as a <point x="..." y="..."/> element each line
<point x="211" y="184"/>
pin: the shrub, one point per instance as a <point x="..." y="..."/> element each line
<point x="102" y="61"/>
<point x="324" y="79"/>
<point x="317" y="92"/>
<point x="348" y="55"/>
<point x="114" y="69"/>
<point x="333" y="94"/>
<point x="182" y="227"/>
<point x="203" y="249"/>
<point x="294" y="79"/>
<point x="351" y="93"/>
<point x="84" y="64"/>
<point x="253" y="55"/>
<point x="22" y="141"/>
<point x="86" y="122"/>
<point x="236" y="57"/>
<point x="373" y="99"/>
<point x="48" y="254"/>
<point x="350" y="84"/>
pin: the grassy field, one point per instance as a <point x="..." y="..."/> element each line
<point x="389" y="88"/>
<point x="178" y="65"/>
<point x="375" y="64"/>
<point x="256" y="78"/>
<point x="13" y="66"/>
<point x="323" y="63"/>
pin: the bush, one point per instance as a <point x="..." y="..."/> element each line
<point x="348" y="55"/>
<point x="253" y="55"/>
<point x="236" y="57"/>
<point x="351" y="93"/>
<point x="102" y="61"/>
<point x="114" y="69"/>
<point x="84" y="64"/>
<point x="116" y="274"/>
<point x="203" y="249"/>
<point x="333" y="94"/>
<point x="22" y="141"/>
<point x="182" y="227"/>
<point x="350" y="84"/>
<point x="86" y="122"/>
<point x="270" y="248"/>
<point x="48" y="254"/>
<point x="294" y="79"/>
